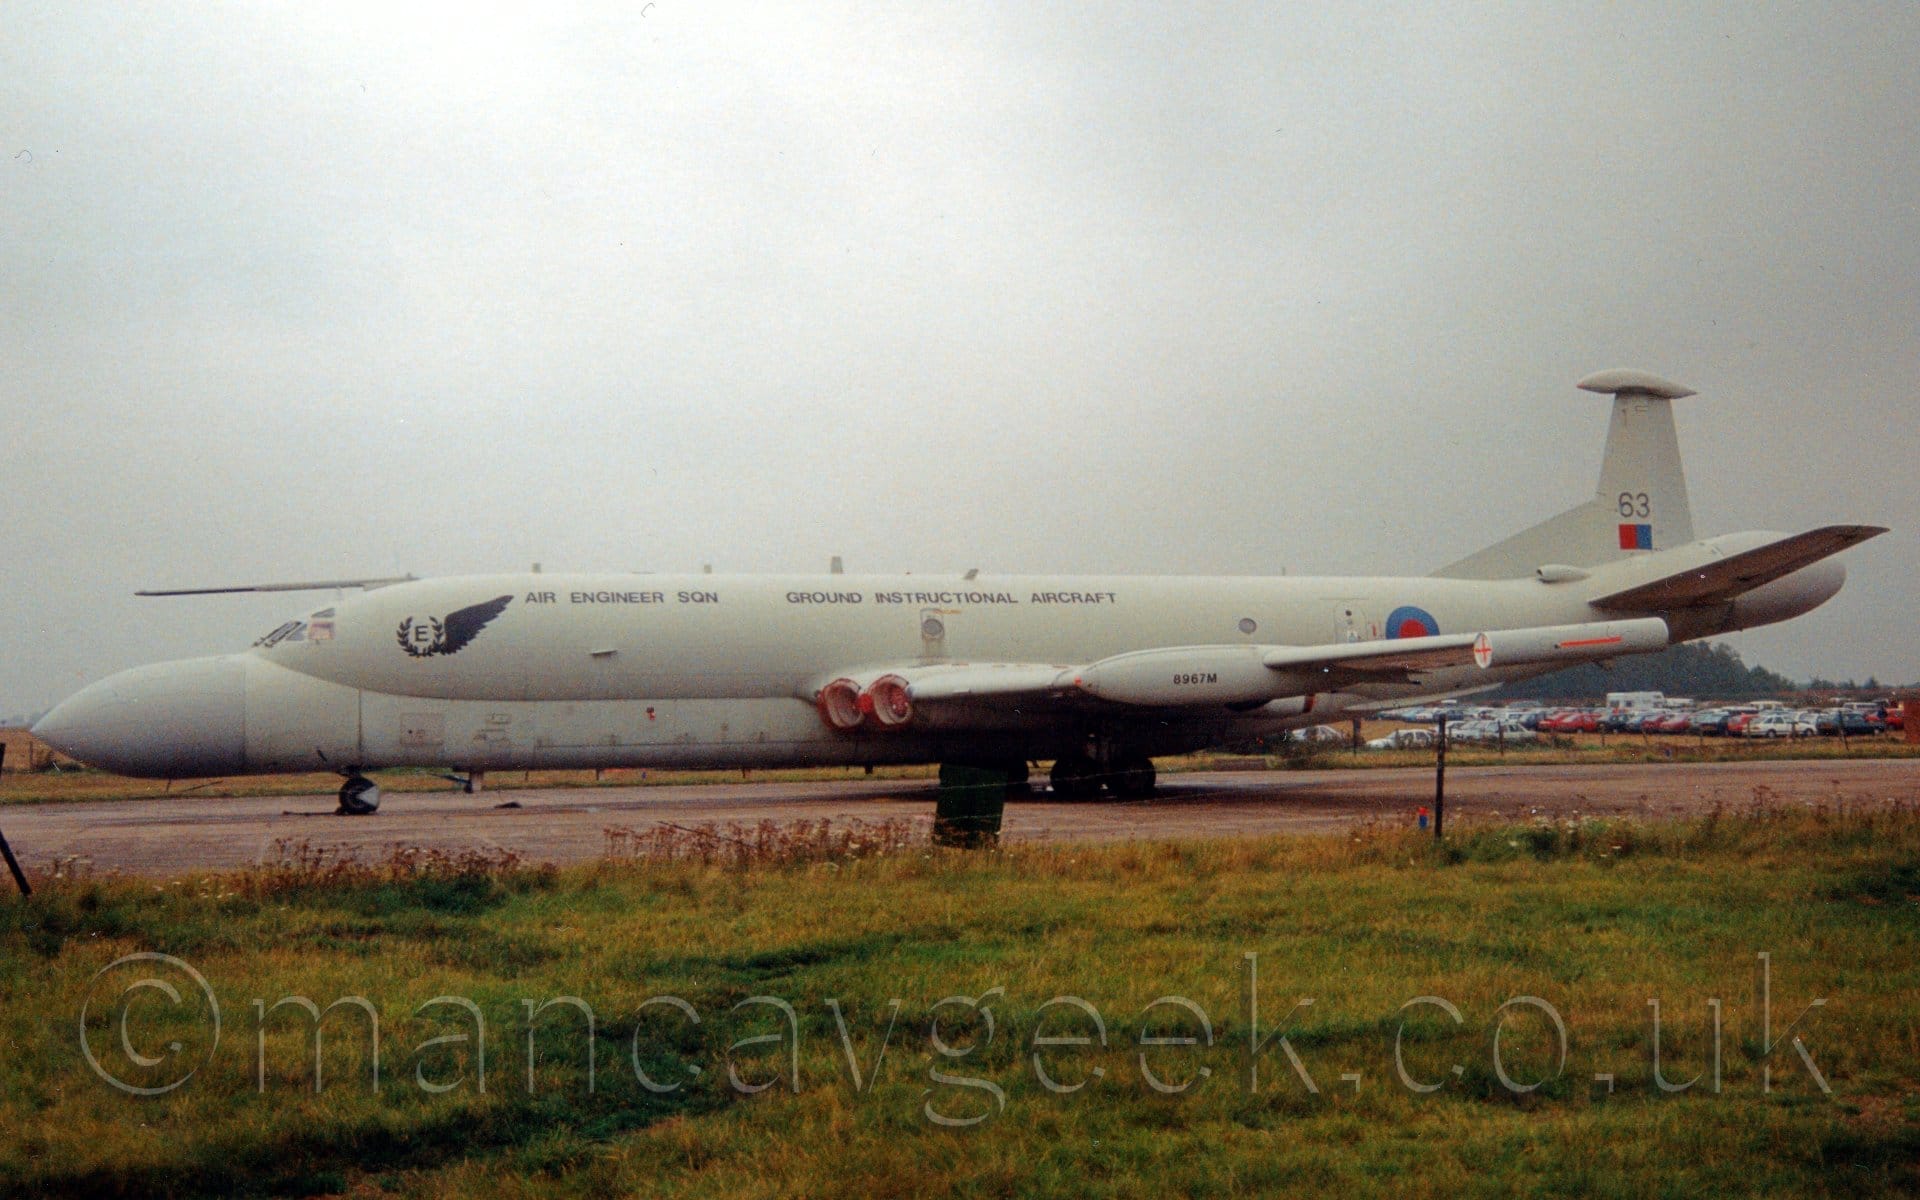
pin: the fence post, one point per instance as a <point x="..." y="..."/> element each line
<point x="13" y="864"/>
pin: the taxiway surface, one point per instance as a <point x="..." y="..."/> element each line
<point x="169" y="836"/>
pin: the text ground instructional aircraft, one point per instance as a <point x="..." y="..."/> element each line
<point x="1098" y="674"/>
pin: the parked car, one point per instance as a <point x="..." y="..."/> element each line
<point x="1617" y="720"/>
<point x="1736" y="718"/>
<point x="1858" y="723"/>
<point x="1781" y="724"/>
<point x="1712" y="722"/>
<point x="1404" y="739"/>
<point x="1320" y="735"/>
<point x="1573" y="720"/>
<point x="1508" y="731"/>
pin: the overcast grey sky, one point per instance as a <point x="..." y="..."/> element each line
<point x="300" y="291"/>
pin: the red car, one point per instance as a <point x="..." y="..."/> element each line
<point x="1677" y="723"/>
<point x="1574" y="720"/>
<point x="1553" y="722"/>
<point x="1737" y="724"/>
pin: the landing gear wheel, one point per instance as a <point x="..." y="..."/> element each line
<point x="1018" y="774"/>
<point x="359" y="797"/>
<point x="1132" y="777"/>
<point x="1075" y="777"/>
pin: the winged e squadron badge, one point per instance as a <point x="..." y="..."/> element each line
<point x="424" y="637"/>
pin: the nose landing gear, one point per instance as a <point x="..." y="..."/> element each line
<point x="359" y="796"/>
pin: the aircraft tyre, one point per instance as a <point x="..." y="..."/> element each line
<point x="359" y="797"/>
<point x="1018" y="776"/>
<point x="1132" y="777"/>
<point x="1075" y="777"/>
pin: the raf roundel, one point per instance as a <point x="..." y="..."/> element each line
<point x="1409" y="621"/>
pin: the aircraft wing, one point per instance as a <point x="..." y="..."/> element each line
<point x="1208" y="677"/>
<point x="1398" y="659"/>
<point x="1739" y="573"/>
<point x="322" y="585"/>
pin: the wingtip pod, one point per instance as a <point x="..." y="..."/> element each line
<point x="1586" y="642"/>
<point x="1620" y="381"/>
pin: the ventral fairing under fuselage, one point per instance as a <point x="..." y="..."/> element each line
<point x="1098" y="674"/>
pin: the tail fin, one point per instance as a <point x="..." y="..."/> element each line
<point x="1641" y="503"/>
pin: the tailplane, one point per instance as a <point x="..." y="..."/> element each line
<point x="1641" y="503"/>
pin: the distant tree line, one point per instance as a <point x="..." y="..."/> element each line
<point x="1699" y="670"/>
<point x="1871" y="684"/>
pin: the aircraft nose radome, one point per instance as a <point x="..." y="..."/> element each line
<point x="169" y="720"/>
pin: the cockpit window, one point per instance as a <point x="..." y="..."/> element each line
<point x="292" y="631"/>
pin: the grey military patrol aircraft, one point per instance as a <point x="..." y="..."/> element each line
<point x="1097" y="674"/>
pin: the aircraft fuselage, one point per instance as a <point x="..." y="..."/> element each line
<point x="724" y="670"/>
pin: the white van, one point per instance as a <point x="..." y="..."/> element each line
<point x="1635" y="700"/>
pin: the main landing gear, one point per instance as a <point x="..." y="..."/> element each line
<point x="359" y="796"/>
<point x="1078" y="776"/>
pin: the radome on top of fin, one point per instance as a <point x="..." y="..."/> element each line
<point x="1620" y="380"/>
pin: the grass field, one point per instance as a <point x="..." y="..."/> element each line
<point x="806" y="941"/>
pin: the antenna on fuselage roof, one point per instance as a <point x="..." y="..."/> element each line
<point x="323" y="585"/>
